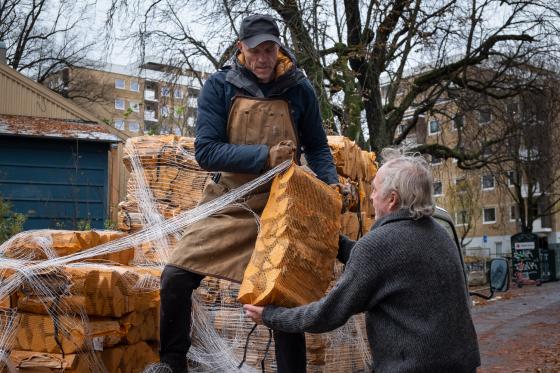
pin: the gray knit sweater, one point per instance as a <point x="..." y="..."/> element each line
<point x="406" y="275"/>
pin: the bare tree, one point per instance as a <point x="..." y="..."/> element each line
<point x="44" y="36"/>
<point x="530" y="173"/>
<point x="374" y="63"/>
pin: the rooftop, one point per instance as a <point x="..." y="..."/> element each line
<point x="55" y="128"/>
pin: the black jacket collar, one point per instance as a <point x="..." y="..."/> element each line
<point x="243" y="79"/>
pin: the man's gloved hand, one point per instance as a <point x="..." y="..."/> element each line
<point x="348" y="194"/>
<point x="343" y="189"/>
<point x="279" y="153"/>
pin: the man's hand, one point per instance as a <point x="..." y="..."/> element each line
<point x="349" y="196"/>
<point x="343" y="189"/>
<point x="279" y="153"/>
<point x="254" y="312"/>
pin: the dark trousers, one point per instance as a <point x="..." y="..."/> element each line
<point x="177" y="286"/>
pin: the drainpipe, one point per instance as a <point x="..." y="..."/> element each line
<point x="3" y="52"/>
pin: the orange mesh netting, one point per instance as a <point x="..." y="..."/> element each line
<point x="297" y="243"/>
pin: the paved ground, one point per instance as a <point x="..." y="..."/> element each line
<point x="521" y="331"/>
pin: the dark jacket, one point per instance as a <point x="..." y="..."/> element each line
<point x="212" y="150"/>
<point x="407" y="276"/>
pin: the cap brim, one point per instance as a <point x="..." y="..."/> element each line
<point x="252" y="42"/>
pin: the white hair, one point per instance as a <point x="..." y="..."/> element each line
<point x="411" y="178"/>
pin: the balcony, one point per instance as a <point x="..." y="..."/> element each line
<point x="150" y="115"/>
<point x="150" y="95"/>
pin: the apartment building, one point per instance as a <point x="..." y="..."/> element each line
<point x="483" y="201"/>
<point x="149" y="98"/>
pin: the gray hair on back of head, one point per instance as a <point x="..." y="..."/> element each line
<point x="409" y="175"/>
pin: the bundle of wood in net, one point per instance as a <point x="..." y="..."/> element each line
<point x="98" y="290"/>
<point x="50" y="243"/>
<point x="119" y="359"/>
<point x="297" y="243"/>
<point x="71" y="334"/>
<point x="167" y="167"/>
<point x="219" y="300"/>
<point x="357" y="167"/>
<point x="343" y="350"/>
<point x="163" y="149"/>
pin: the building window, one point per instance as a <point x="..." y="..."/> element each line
<point x="164" y="111"/>
<point x="511" y="178"/>
<point x="499" y="248"/>
<point x="461" y="218"/>
<point x="461" y="184"/>
<point x="488" y="215"/>
<point x="434" y="127"/>
<point x="119" y="104"/>
<point x="458" y="122"/>
<point x="191" y="102"/>
<point x="484" y="116"/>
<point x="119" y="124"/>
<point x="190" y="121"/>
<point x="134" y="86"/>
<point x="133" y="126"/>
<point x="486" y="153"/>
<point x="438" y="188"/>
<point x="165" y="92"/>
<point x="513" y="213"/>
<point x="134" y="106"/>
<point x="119" y="84"/>
<point x="178" y="93"/>
<point x="488" y="182"/>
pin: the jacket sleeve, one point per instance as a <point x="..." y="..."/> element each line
<point x="352" y="294"/>
<point x="313" y="138"/>
<point x="212" y="150"/>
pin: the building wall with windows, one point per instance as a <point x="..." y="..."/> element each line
<point x="151" y="99"/>
<point x="480" y="200"/>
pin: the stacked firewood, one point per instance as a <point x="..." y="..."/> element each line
<point x="356" y="168"/>
<point x="166" y="166"/>
<point x="85" y="316"/>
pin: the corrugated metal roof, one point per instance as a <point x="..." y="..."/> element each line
<point x="56" y="128"/>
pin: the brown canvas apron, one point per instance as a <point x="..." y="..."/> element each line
<point x="221" y="244"/>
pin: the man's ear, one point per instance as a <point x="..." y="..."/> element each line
<point x="393" y="200"/>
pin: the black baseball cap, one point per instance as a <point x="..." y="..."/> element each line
<point x="259" y="28"/>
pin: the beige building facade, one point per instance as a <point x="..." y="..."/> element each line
<point x="481" y="201"/>
<point x="149" y="99"/>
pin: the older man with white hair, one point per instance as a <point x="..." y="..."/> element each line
<point x="405" y="274"/>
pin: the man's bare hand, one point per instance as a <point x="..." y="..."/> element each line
<point x="254" y="312"/>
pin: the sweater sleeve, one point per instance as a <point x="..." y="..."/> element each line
<point x="212" y="150"/>
<point x="352" y="294"/>
<point x="313" y="138"/>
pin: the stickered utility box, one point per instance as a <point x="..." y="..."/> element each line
<point x="296" y="248"/>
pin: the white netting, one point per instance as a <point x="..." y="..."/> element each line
<point x="89" y="301"/>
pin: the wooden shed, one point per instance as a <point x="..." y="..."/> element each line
<point x="59" y="165"/>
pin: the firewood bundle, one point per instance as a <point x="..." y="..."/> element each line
<point x="297" y="244"/>
<point x="122" y="359"/>
<point x="51" y="243"/>
<point x="340" y="351"/>
<point x="166" y="166"/>
<point x="357" y="168"/>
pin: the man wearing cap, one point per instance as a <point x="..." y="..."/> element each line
<point x="253" y="114"/>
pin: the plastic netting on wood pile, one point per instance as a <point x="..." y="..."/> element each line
<point x="88" y="301"/>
